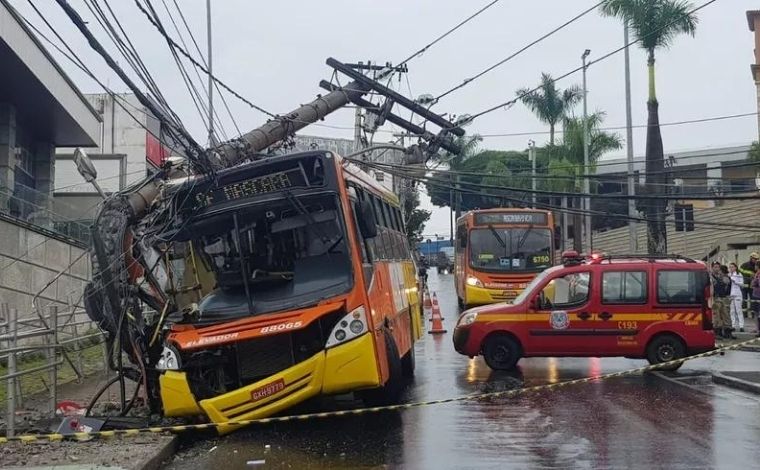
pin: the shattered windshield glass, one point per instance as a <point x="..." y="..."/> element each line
<point x="274" y="256"/>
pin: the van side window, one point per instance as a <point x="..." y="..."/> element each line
<point x="679" y="287"/>
<point x="566" y="291"/>
<point x="624" y="287"/>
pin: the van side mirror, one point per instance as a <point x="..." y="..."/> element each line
<point x="365" y="217"/>
<point x="535" y="303"/>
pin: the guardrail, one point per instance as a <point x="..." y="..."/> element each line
<point x="45" y="339"/>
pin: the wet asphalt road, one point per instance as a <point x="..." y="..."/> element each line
<point x="641" y="421"/>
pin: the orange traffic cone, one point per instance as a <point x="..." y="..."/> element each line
<point x="436" y="318"/>
<point x="427" y="305"/>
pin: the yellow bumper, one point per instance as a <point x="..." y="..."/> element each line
<point x="482" y="296"/>
<point x="347" y="367"/>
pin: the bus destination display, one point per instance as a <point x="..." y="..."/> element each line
<point x="524" y="218"/>
<point x="249" y="188"/>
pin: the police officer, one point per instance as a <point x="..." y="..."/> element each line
<point x="747" y="270"/>
<point x="721" y="299"/>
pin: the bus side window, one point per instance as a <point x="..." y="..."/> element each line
<point x="461" y="241"/>
<point x="366" y="246"/>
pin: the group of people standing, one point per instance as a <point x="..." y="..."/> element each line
<point x="734" y="288"/>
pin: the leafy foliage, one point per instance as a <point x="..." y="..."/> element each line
<point x="414" y="217"/>
<point x="549" y="103"/>
<point x="754" y="152"/>
<point x="655" y="23"/>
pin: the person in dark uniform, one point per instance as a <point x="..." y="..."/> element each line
<point x="721" y="299"/>
<point x="747" y="270"/>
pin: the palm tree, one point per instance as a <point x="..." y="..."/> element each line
<point x="549" y="103"/>
<point x="655" y="24"/>
<point x="566" y="159"/>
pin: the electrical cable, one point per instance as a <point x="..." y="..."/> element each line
<point x="199" y="65"/>
<point x="693" y="196"/>
<point x="577" y="69"/>
<point x="200" y="54"/>
<point x="463" y="189"/>
<point x="467" y="81"/>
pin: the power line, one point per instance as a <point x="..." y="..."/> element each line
<point x="199" y="65"/>
<point x="200" y="54"/>
<point x="717" y="225"/>
<point x="637" y="126"/>
<point x="467" y="81"/>
<point x="578" y="69"/>
<point x="442" y="36"/>
<point x="705" y="196"/>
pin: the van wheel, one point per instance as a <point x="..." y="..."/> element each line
<point x="389" y="393"/>
<point x="666" y="348"/>
<point x="501" y="352"/>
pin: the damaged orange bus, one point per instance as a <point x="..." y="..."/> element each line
<point x="307" y="288"/>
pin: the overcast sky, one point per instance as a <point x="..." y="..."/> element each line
<point x="274" y="53"/>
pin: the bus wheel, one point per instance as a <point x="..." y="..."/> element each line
<point x="408" y="361"/>
<point x="389" y="393"/>
<point x="666" y="348"/>
<point x="501" y="352"/>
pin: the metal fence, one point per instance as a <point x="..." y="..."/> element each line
<point x="35" y="207"/>
<point x="36" y="348"/>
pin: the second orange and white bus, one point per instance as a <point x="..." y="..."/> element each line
<point x="499" y="251"/>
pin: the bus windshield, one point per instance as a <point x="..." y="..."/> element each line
<point x="273" y="256"/>
<point x="506" y="249"/>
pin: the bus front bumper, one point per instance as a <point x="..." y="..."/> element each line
<point x="482" y="296"/>
<point x="347" y="367"/>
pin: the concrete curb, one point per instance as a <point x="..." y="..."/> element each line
<point x="735" y="382"/>
<point x="162" y="454"/>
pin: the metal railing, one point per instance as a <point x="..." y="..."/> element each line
<point x="36" y="208"/>
<point x="33" y="345"/>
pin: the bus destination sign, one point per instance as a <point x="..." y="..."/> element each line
<point x="522" y="218"/>
<point x="248" y="188"/>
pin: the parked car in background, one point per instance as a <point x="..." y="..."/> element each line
<point x="445" y="259"/>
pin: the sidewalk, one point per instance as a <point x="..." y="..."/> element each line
<point x="144" y="452"/>
<point x="746" y="380"/>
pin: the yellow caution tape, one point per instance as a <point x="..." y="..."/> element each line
<point x="82" y="436"/>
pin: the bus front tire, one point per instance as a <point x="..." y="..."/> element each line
<point x="501" y="352"/>
<point x="389" y="393"/>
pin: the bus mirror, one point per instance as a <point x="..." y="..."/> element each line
<point x="462" y="242"/>
<point x="365" y="217"/>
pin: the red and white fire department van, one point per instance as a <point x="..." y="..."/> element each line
<point x="654" y="308"/>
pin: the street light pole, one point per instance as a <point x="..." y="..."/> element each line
<point x="532" y="157"/>
<point x="632" y="233"/>
<point x="211" y="139"/>
<point x="586" y="185"/>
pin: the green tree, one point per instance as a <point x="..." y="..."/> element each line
<point x="754" y="152"/>
<point x="655" y="24"/>
<point x="549" y="103"/>
<point x="414" y="217"/>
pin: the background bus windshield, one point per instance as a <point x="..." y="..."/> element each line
<point x="510" y="249"/>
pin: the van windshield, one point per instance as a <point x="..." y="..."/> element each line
<point x="531" y="286"/>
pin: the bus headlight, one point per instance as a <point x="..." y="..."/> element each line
<point x="468" y="319"/>
<point x="169" y="359"/>
<point x="474" y="281"/>
<point x="349" y="327"/>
